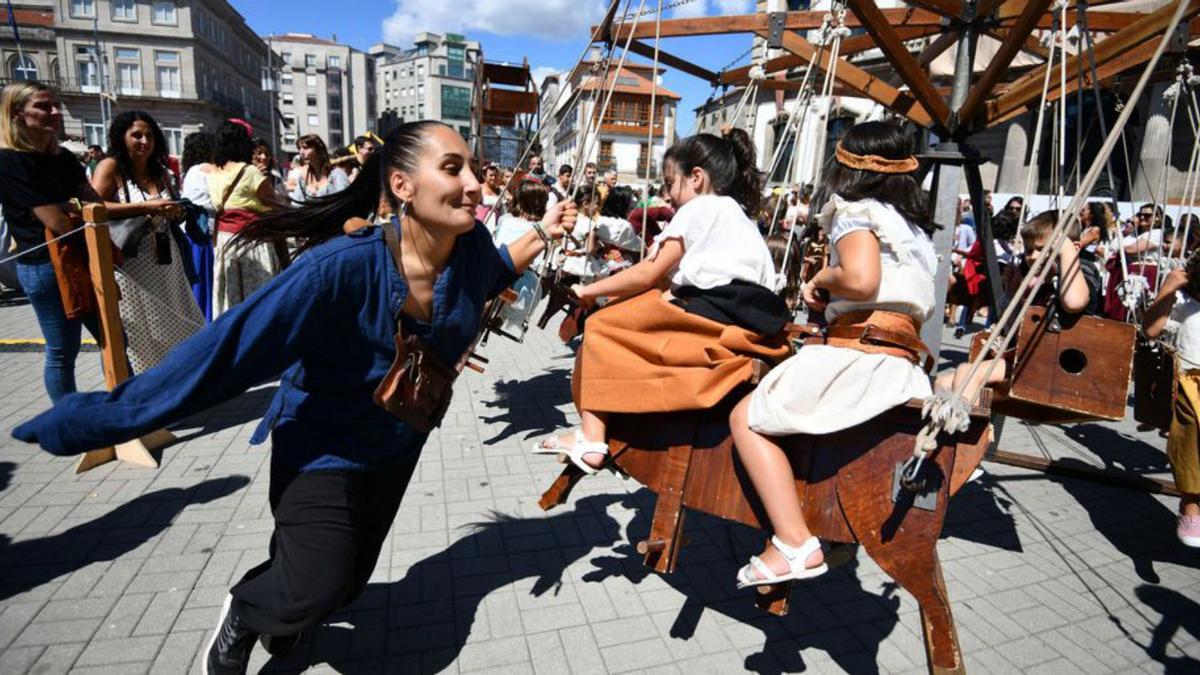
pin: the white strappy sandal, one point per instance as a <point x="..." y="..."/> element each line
<point x="551" y="446"/>
<point x="795" y="556"/>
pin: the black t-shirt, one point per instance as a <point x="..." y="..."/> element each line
<point x="30" y="179"/>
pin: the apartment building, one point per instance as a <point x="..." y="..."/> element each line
<point x="188" y="64"/>
<point x="325" y="88"/>
<point x="434" y="79"/>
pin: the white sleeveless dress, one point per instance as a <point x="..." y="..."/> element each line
<point x="823" y="389"/>
<point x="157" y="308"/>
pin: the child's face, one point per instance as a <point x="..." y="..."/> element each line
<point x="1036" y="246"/>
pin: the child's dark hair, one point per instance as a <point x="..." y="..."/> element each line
<point x="198" y="148"/>
<point x="531" y="198"/>
<point x="1004" y="226"/>
<point x="900" y="190"/>
<point x="233" y="144"/>
<point x="730" y="162"/>
<point x="619" y="202"/>
<point x="1043" y="223"/>
<point x="1192" y="268"/>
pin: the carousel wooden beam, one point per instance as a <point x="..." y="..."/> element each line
<point x="1130" y="59"/>
<point x="860" y="80"/>
<point x="951" y="9"/>
<point x="996" y="68"/>
<point x="852" y="45"/>
<point x="1029" y="86"/>
<point x="757" y="23"/>
<point x="1030" y="46"/>
<point x="669" y="59"/>
<point x="898" y="55"/>
<point x="1104" y="22"/>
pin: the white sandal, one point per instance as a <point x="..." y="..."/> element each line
<point x="551" y="446"/>
<point x="795" y="556"/>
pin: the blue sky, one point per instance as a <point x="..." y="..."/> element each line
<point x="550" y="33"/>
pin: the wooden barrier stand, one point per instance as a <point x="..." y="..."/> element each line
<point x="112" y="344"/>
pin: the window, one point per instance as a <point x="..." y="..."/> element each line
<point x="23" y="68"/>
<point x="288" y="98"/>
<point x="310" y="80"/>
<point x="289" y="139"/>
<point x="421" y="111"/>
<point x="287" y="58"/>
<point x="166" y="67"/>
<point x="455" y="56"/>
<point x="314" y="120"/>
<point x="310" y="60"/>
<point x="174" y="140"/>
<point x="129" y="71"/>
<point x="289" y="120"/>
<point x="164" y="13"/>
<point x="456" y="103"/>
<point x="124" y="10"/>
<point x="465" y="132"/>
<point x="311" y="100"/>
<point x="286" y="79"/>
<point x="93" y="132"/>
<point x="607" y="161"/>
<point x="421" y="90"/>
<point x="420" y="70"/>
<point x="83" y="8"/>
<point x="335" y="61"/>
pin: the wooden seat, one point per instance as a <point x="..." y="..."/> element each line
<point x="1066" y="368"/>
<point x="1154" y="380"/>
<point x="847" y="483"/>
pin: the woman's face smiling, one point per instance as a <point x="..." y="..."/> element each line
<point x="441" y="191"/>
<point x="139" y="140"/>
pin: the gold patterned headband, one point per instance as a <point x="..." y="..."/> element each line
<point x="875" y="162"/>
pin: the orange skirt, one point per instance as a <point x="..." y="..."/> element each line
<point x="644" y="355"/>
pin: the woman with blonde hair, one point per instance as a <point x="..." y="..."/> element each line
<point x="40" y="188"/>
<point x="319" y="177"/>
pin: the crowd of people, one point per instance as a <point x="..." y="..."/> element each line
<point x="360" y="282"/>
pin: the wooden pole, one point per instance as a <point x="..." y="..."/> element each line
<point x="112" y="344"/>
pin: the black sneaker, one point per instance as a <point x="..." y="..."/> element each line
<point x="959" y="332"/>
<point x="230" y="645"/>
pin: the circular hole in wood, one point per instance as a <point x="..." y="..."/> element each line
<point x="1072" y="360"/>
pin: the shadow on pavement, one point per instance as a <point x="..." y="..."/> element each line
<point x="422" y="622"/>
<point x="28" y="564"/>
<point x="1178" y="613"/>
<point x="247" y="407"/>
<point x="531" y="405"/>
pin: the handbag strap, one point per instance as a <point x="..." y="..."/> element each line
<point x="229" y="189"/>
<point x="392" y="237"/>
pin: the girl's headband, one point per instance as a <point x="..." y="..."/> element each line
<point x="875" y="162"/>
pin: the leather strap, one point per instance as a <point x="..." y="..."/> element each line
<point x="229" y="189"/>
<point x="861" y="331"/>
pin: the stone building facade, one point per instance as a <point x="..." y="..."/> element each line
<point x="435" y="79"/>
<point x="325" y="88"/>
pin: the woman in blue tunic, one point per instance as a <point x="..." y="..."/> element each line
<point x="339" y="463"/>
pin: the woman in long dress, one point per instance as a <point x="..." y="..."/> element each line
<point x="157" y="308"/>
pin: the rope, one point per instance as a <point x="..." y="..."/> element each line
<point x="650" y="133"/>
<point x="1000" y="339"/>
<point x="45" y="244"/>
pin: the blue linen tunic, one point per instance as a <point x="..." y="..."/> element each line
<point x="328" y="324"/>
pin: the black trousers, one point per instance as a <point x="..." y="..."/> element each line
<point x="329" y="528"/>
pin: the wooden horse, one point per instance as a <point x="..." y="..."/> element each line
<point x="848" y="482"/>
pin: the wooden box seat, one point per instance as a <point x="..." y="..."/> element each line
<point x="1154" y="380"/>
<point x="1066" y="368"/>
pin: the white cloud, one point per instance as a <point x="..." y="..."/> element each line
<point x="539" y="73"/>
<point x="735" y="7"/>
<point x="690" y="10"/>
<point x="547" y="19"/>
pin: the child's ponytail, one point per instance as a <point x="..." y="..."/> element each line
<point x="748" y="183"/>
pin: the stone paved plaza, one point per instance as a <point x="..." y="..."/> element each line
<point x="123" y="569"/>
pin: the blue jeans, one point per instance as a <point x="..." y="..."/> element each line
<point x="62" y="334"/>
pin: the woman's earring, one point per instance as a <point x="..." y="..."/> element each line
<point x="403" y="211"/>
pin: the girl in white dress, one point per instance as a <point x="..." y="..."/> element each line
<point x="880" y="274"/>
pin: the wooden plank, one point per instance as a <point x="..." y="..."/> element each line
<point x="503" y="73"/>
<point x="861" y="81"/>
<point x="898" y="55"/>
<point x="951" y="9"/>
<point x="509" y="102"/>
<point x="1030" y="45"/>
<point x="996" y="68"/>
<point x="1029" y="86"/>
<point x="1075" y="468"/>
<point x="755" y="23"/>
<point x="854" y="44"/>
<point x="667" y="59"/>
<point x="112" y="344"/>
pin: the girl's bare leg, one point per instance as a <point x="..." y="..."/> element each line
<point x="771" y="473"/>
<point x="595" y="430"/>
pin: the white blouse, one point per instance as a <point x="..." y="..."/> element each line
<point x="720" y="245"/>
<point x="908" y="262"/>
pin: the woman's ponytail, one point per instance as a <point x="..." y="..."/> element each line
<point x="748" y="182"/>
<point x="320" y="218"/>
